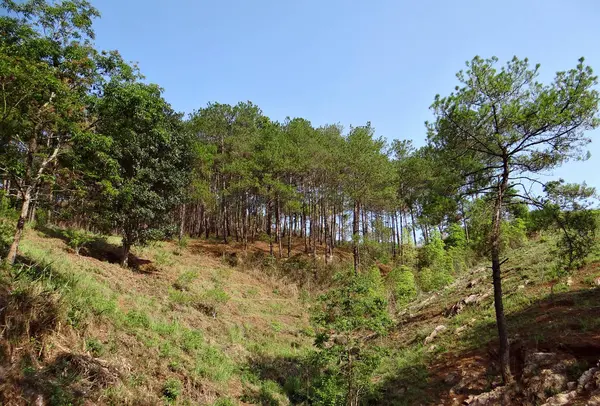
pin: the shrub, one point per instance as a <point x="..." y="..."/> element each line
<point x="171" y="389"/>
<point x="183" y="242"/>
<point x="224" y="402"/>
<point x="184" y="280"/>
<point x="578" y="238"/>
<point x="514" y="233"/>
<point x="401" y="284"/>
<point x="430" y="279"/>
<point x="436" y="265"/>
<point x="7" y="231"/>
<point x="456" y="237"/>
<point x="77" y="239"/>
<point x="345" y="318"/>
<point x="211" y="301"/>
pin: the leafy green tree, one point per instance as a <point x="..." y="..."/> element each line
<point x="346" y="319"/>
<point x="47" y="70"/>
<point x="366" y="176"/>
<point x="501" y="129"/>
<point x="401" y="283"/>
<point x="150" y="152"/>
<point x="436" y="265"/>
<point x="568" y="207"/>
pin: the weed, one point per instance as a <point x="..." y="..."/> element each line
<point x="94" y="346"/>
<point x="224" y="402"/>
<point x="184" y="280"/>
<point x="276" y="326"/>
<point x="171" y="389"/>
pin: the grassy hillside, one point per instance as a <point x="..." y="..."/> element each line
<point x="197" y="323"/>
<point x="182" y="326"/>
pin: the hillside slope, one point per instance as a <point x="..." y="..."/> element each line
<point x="182" y="326"/>
<point x="186" y="326"/>
<point x="444" y="349"/>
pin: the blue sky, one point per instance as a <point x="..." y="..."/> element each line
<point x="348" y="62"/>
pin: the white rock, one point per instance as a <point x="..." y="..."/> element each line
<point x="439" y="329"/>
<point x="561" y="399"/>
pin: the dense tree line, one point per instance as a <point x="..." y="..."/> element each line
<point x="84" y="140"/>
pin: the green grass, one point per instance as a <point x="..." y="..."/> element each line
<point x="139" y="322"/>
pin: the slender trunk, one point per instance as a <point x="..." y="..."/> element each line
<point x="497" y="279"/>
<point x="182" y="223"/>
<point x="326" y="234"/>
<point x="393" y="221"/>
<point x="333" y="226"/>
<point x="365" y="226"/>
<point x="414" y="228"/>
<point x="355" y="235"/>
<point x="289" y="237"/>
<point x="125" y="253"/>
<point x="314" y="229"/>
<point x="303" y="229"/>
<point x="401" y="239"/>
<point x="14" y="247"/>
<point x="33" y="206"/>
<point x="465" y="226"/>
<point x="278" y="228"/>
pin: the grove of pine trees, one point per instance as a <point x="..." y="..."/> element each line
<point x="85" y="141"/>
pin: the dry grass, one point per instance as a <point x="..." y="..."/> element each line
<point x="153" y="324"/>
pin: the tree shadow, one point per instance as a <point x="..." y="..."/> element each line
<point x="565" y="323"/>
<point x="293" y="374"/>
<point x="70" y="379"/>
<point x="103" y="251"/>
<point x="31" y="310"/>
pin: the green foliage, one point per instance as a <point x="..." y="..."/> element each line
<point x="224" y="402"/>
<point x="94" y="346"/>
<point x="148" y="157"/>
<point x="7" y="231"/>
<point x="578" y="238"/>
<point x="401" y="283"/>
<point x="185" y="280"/>
<point x="171" y="389"/>
<point x="344" y="318"/>
<point x="183" y="242"/>
<point x="456" y="237"/>
<point x="77" y="239"/>
<point x="514" y="234"/>
<point x="430" y="280"/>
<point x="436" y="265"/>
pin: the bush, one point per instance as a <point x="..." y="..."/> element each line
<point x="578" y="238"/>
<point x="430" y="280"/>
<point x="514" y="234"/>
<point x="345" y="318"/>
<point x="437" y="267"/>
<point x="171" y="389"/>
<point x="224" y="402"/>
<point x="401" y="284"/>
<point x="7" y="231"/>
<point x="211" y="301"/>
<point x="77" y="239"/>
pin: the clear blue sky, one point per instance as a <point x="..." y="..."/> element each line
<point x="348" y="62"/>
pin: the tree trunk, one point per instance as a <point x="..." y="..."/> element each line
<point x="355" y="235"/>
<point x="182" y="223"/>
<point x="14" y="247"/>
<point x="326" y="234"/>
<point x="414" y="227"/>
<point x="289" y="236"/>
<point x="497" y="280"/>
<point x="125" y="254"/>
<point x="278" y="228"/>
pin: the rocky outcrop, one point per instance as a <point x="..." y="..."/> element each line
<point x="470" y="300"/>
<point x="545" y="382"/>
<point x="439" y="329"/>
